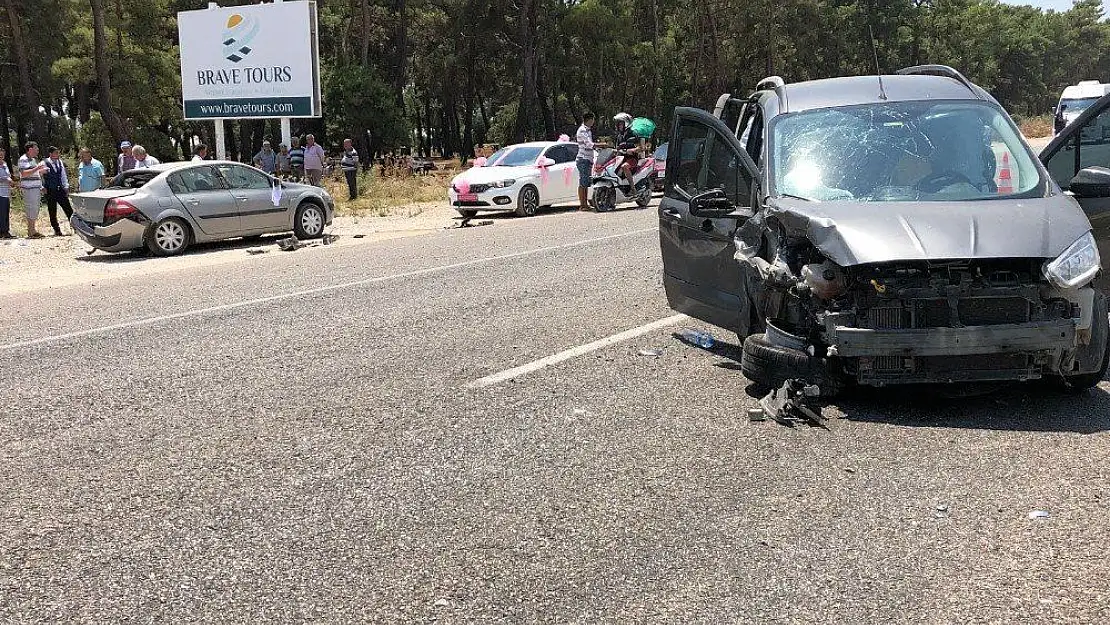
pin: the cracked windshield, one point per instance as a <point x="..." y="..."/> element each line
<point x="897" y="152"/>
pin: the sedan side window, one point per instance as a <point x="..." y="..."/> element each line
<point x="1091" y="141"/>
<point x="195" y="179"/>
<point x="562" y="154"/>
<point x="239" y="177"/>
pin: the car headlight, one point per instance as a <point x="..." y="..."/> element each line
<point x="1077" y="265"/>
<point x="501" y="184"/>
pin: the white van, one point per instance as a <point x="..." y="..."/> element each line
<point x="1078" y="97"/>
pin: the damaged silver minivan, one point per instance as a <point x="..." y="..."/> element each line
<point x="889" y="230"/>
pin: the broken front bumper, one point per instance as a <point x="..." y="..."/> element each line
<point x="1021" y="351"/>
<point x="1019" y="337"/>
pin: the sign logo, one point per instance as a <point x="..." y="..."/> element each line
<point x="238" y="34"/>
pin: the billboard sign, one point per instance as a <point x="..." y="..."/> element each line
<point x="248" y="61"/>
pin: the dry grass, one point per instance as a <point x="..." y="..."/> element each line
<point x="1036" y="127"/>
<point x="389" y="196"/>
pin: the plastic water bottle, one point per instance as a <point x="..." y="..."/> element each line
<point x="702" y="339"/>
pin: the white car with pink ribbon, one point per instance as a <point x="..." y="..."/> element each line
<point x="518" y="178"/>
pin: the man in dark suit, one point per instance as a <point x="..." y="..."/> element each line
<point x="56" y="182"/>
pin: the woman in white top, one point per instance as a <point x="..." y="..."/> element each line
<point x="142" y="159"/>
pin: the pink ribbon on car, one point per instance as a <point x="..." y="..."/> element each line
<point x="543" y="164"/>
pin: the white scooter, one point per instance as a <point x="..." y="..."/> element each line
<point x="608" y="187"/>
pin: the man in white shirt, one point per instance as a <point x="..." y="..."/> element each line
<point x="585" y="160"/>
<point x="30" y="185"/>
<point x="142" y="159"/>
<point x="314" y="157"/>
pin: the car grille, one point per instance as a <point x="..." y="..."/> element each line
<point x="479" y="188"/>
<point x="936" y="313"/>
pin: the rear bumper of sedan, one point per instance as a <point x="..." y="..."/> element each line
<point x="121" y="236"/>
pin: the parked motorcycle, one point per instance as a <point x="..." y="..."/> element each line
<point x="609" y="188"/>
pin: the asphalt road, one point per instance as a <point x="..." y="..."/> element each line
<point x="296" y="438"/>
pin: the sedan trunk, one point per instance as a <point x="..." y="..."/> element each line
<point x="90" y="205"/>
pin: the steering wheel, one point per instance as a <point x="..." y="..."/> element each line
<point x="938" y="180"/>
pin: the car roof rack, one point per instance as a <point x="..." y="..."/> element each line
<point x="939" y="70"/>
<point x="770" y="82"/>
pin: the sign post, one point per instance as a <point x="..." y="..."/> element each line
<point x="250" y="62"/>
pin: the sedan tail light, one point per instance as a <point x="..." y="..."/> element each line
<point x="117" y="209"/>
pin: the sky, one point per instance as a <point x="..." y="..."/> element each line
<point x="1059" y="5"/>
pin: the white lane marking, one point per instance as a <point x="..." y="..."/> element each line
<point x="315" y="291"/>
<point x="573" y="352"/>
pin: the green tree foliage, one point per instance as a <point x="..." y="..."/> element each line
<point x="442" y="75"/>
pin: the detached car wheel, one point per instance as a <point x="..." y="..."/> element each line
<point x="770" y="365"/>
<point x="168" y="237"/>
<point x="309" y="221"/>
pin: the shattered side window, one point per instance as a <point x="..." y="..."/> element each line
<point x="724" y="171"/>
<point x="901" y="151"/>
<point x="691" y="153"/>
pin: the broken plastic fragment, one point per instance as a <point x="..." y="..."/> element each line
<point x="651" y="352"/>
<point x="1038" y="514"/>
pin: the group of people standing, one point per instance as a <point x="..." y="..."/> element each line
<point x="47" y="180"/>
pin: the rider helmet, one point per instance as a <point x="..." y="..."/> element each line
<point x="623" y="118"/>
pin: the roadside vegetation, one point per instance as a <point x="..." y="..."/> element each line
<point x="440" y="77"/>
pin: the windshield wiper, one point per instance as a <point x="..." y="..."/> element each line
<point x="797" y="197"/>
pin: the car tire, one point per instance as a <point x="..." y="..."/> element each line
<point x="468" y="214"/>
<point x="309" y="221"/>
<point x="1085" y="381"/>
<point x="528" y="202"/>
<point x="770" y="365"/>
<point x="168" y="237"/>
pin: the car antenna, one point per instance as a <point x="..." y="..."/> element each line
<point x="875" y="54"/>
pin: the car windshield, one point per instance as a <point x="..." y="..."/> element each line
<point x="514" y="157"/>
<point x="900" y="152"/>
<point x="1078" y="105"/>
<point x="661" y="153"/>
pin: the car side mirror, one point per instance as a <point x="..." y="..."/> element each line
<point x="1092" y="182"/>
<point x="714" y="204"/>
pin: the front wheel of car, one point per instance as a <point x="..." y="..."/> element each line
<point x="309" y="221"/>
<point x="168" y="237"/>
<point x="527" y="202"/>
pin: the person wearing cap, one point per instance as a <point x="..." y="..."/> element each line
<point x="266" y="159"/>
<point x="200" y="152"/>
<point x="126" y="159"/>
<point x="30" y="185"/>
<point x="56" y="182"/>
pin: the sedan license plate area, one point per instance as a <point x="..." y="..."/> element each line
<point x="468" y="197"/>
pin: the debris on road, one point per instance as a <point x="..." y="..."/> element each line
<point x="794" y="402"/>
<point x="290" y="244"/>
<point x="256" y="250"/>
<point x="442" y="603"/>
<point x="1038" y="514"/>
<point x="756" y="414"/>
<point x="328" y="239"/>
<point x="465" y="223"/>
<point x="358" y="236"/>
<point x="651" y="352"/>
<point x="697" y="338"/>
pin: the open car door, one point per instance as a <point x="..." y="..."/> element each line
<point x="708" y="194"/>
<point x="1078" y="159"/>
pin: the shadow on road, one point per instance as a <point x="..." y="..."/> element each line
<point x="266" y="241"/>
<point x="1031" y="407"/>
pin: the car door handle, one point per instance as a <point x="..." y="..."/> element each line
<point x="194" y="202"/>
<point x="671" y="213"/>
<point x="240" y="198"/>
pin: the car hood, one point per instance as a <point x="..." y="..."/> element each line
<point x="483" y="175"/>
<point x="853" y="233"/>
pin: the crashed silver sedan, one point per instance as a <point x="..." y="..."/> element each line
<point x="882" y="231"/>
<point x="168" y="207"/>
